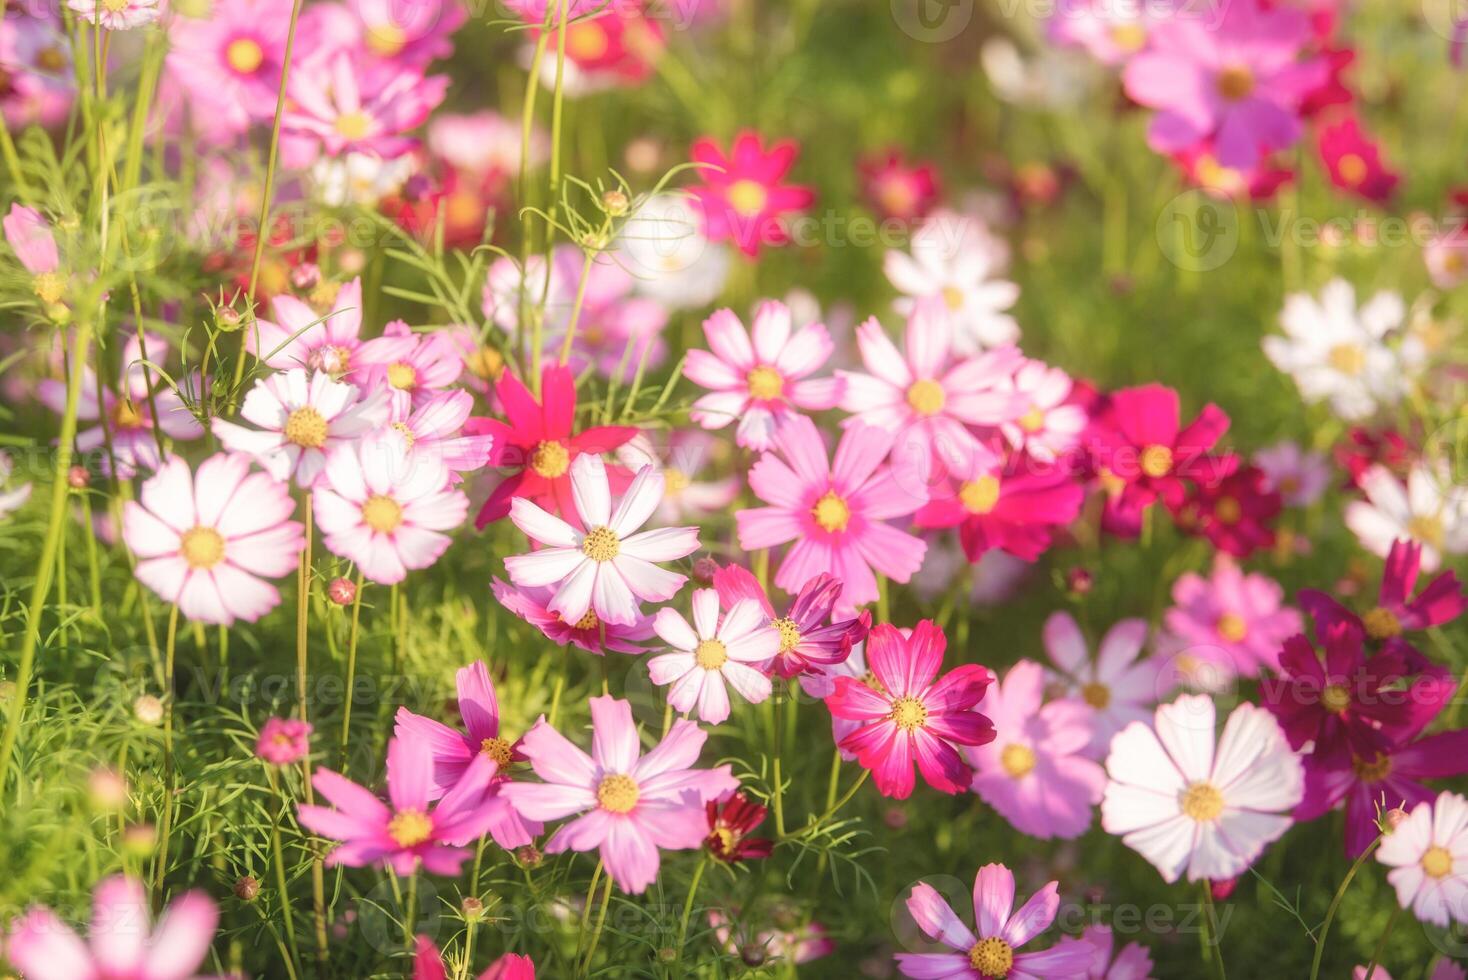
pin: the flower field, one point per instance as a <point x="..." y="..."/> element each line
<point x="709" y="488"/>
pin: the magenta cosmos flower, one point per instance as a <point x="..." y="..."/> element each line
<point x="1014" y="507"/>
<point x="428" y="965"/>
<point x="283" y="741"/>
<point x="1119" y="685"/>
<point x="629" y="804"/>
<point x="835" y="511"/>
<point x="1396" y="610"/>
<point x="607" y="568"/>
<point x="809" y="640"/>
<point x="298" y="336"/>
<point x="589" y="633"/>
<point x="992" y="949"/>
<point x="229" y="62"/>
<point x="454" y="751"/>
<point x="1241" y="615"/>
<point x="1238" y="82"/>
<point x="914" y="715"/>
<point x="712" y="651"/>
<point x="339" y="105"/>
<point x="205" y="541"/>
<point x="384" y="510"/>
<point x="408" y="831"/>
<point x="742" y="197"/>
<point x="122" y="947"/>
<point x="1428" y="855"/>
<point x="758" y="381"/>
<point x="1034" y="772"/>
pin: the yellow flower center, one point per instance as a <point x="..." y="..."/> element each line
<point x="401" y="376"/>
<point x="244" y="55"/>
<point x="1018" y="760"/>
<point x="979" y="496"/>
<point x="747" y="197"/>
<point x="1382" y="624"/>
<point x="789" y="634"/>
<point x="926" y="397"/>
<point x="675" y="481"/>
<point x="908" y="713"/>
<point x="550" y="460"/>
<point x="1228" y="510"/>
<point x="201" y="547"/>
<point x="1336" y="698"/>
<point x="1347" y="358"/>
<point x="1235" y="82"/>
<point x="353" y="125"/>
<point x="1129" y="37"/>
<point x="617" y="793"/>
<point x="51" y="59"/>
<point x="306" y="428"/>
<point x="1156" y="461"/>
<point x="49" y="287"/>
<point x="1372" y="770"/>
<point x="1096" y="694"/>
<point x="409" y="828"/>
<point x="1427" y="529"/>
<point x="588" y="621"/>
<point x="601" y="544"/>
<point x="115" y="6"/>
<point x="711" y="654"/>
<point x="831" y="513"/>
<point x="486" y="363"/>
<point x="1202" y="802"/>
<point x="401" y="428"/>
<point x="1232" y="627"/>
<point x="586" y="41"/>
<point x="386" y="40"/>
<point x="1352" y="168"/>
<point x="1437" y="862"/>
<point x="497" y="749"/>
<point x="125" y="415"/>
<point x="765" y="382"/>
<point x="953" y="298"/>
<point x="992" y="957"/>
<point x="1033" y="420"/>
<point x="381" y="513"/>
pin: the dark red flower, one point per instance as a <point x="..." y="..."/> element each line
<point x="730" y="823"/>
<point x="1235" y="514"/>
<point x="1363" y="449"/>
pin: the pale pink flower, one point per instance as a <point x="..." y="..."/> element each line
<point x="29" y="236"/>
<point x="414" y="367"/>
<point x="1428" y="855"/>
<point x="298" y="336"/>
<point x="611" y="565"/>
<point x="116" y="15"/>
<point x="228" y="64"/>
<point x="627" y="805"/>
<point x="1049" y="424"/>
<point x="711" y="652"/>
<point x="1185" y="805"/>
<point x="338" y="105"/>
<point x="483" y="142"/>
<point x="760" y="377"/>
<point x="1119" y="687"/>
<point x="687" y="494"/>
<point x="302" y="417"/>
<point x="1132" y="963"/>
<point x="589" y="633"/>
<point x="1296" y="474"/>
<point x="384" y="510"/>
<point x="433" y="432"/>
<point x="205" y="541"/>
<point x="1241" y="614"/>
<point x="1111" y="32"/>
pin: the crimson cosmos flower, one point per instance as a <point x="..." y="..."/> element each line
<point x="731" y="821"/>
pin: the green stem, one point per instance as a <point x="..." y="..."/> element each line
<point x="351" y="668"/>
<point x="586" y="908"/>
<point x="777" y="791"/>
<point x="410" y="910"/>
<point x="1335" y="903"/>
<point x="166" y="822"/>
<point x="832" y="810"/>
<point x="1381" y="943"/>
<point x="687" y="910"/>
<point x="601" y="920"/>
<point x="1210" y="932"/>
<point x="287" y="913"/>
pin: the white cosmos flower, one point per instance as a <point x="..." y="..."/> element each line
<point x="953" y="258"/>
<point x="710" y="652"/>
<point x="1429" y="510"/>
<point x="663" y="246"/>
<point x="1185" y="804"/>
<point x="609" y="566"/>
<point x="1428" y="855"/>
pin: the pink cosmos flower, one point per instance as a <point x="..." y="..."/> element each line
<point x="1396" y="610"/>
<point x="925" y="398"/>
<point x="1446" y="253"/>
<point x="630" y="804"/>
<point x="1239" y="81"/>
<point x="1112" y="33"/>
<point x="1051" y="423"/>
<point x="611" y="47"/>
<point x="1132" y="963"/>
<point x="611" y="565"/>
<point x="414" y="367"/>
<point x="29" y="236"/>
<point x="759" y="382"/>
<point x="1443" y="969"/>
<point x="1118" y="687"/>
<point x="1353" y="161"/>
<point x="428" y="965"/>
<point x="298" y="336"/>
<point x="283" y="741"/>
<point x="1242" y="615"/>
<point x="896" y="188"/>
<point x="408" y="831"/>
<point x="1014" y="507"/>
<point x="301" y="418"/>
<point x="37" y="57"/>
<point x="1186" y="805"/>
<point x="915" y="714"/>
<point x="411" y="33"/>
<point x="383" y="509"/>
<point x="433" y="431"/>
<point x="713" y="651"/>
<point x="808" y="641"/>
<point x="589" y="633"/>
<point x="338" y="105"/>
<point x="228" y="64"/>
<point x="122" y="946"/>
<point x="835" y="511"/>
<point x="742" y="197"/>
<point x="116" y="15"/>
<point x="453" y="752"/>
<point x="992" y="950"/>
<point x="206" y="541"/>
<point x="1296" y="474"/>
<point x="1428" y="855"/>
<point x="1033" y="772"/>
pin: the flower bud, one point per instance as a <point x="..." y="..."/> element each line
<point x="247" y="889"/>
<point x="528" y="855"/>
<point x="614" y="203"/>
<point x="78" y="478"/>
<point x="148" y="709"/>
<point x="472" y="909"/>
<point x="342" y="591"/>
<point x="107" y="789"/>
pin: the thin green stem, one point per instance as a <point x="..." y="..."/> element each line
<point x="687" y="910"/>
<point x="832" y="810"/>
<point x="777" y="790"/>
<point x="1381" y="943"/>
<point x="410" y="910"/>
<point x="1211" y="937"/>
<point x="286" y="911"/>
<point x="601" y="921"/>
<point x="166" y="822"/>
<point x="1335" y="903"/>
<point x="351" y="668"/>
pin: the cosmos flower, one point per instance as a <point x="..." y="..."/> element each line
<point x="1236" y="514"/>
<point x="784" y="936"/>
<point x="283" y="741"/>
<point x="1241" y="614"/>
<point x="663" y="246"/>
<point x="1429" y="511"/>
<point x="30" y="237"/>
<point x="1014" y="507"/>
<point x="1396" y="610"/>
<point x="760" y="380"/>
<point x="1119" y="685"/>
<point x="1257" y="182"/>
<point x="228" y="64"/>
<point x="1112" y="33"/>
<point x="405" y="831"/>
<point x="953" y="258"/>
<point x="205" y="541"/>
<point x="1353" y="161"/>
<point x="122" y="945"/>
<point x="116" y="15"/>
<point x="414" y="367"/>
<point x="898" y="189"/>
<point x="1033" y="772"/>
<point x="1185" y="805"/>
<point x="428" y="964"/>
<point x="1133" y="962"/>
<point x="610" y="565"/>
<point x="42" y="83"/>
<point x="913" y="715"/>
<point x="337" y="107"/>
<point x="301" y="418"/>
<point x="626" y="804"/>
<point x="992" y="948"/>
<point x="711" y="652"/>
<point x="453" y="752"/>
<point x="589" y="633"/>
<point x="1051" y="423"/>
<point x="685" y="461"/>
<point x="835" y="511"/>
<point x="742" y="196"/>
<point x="1428" y="855"/>
<point x="810" y="641"/>
<point x="731" y="821"/>
<point x="433" y="431"/>
<point x="1446" y="255"/>
<point x="298" y="336"/>
<point x="1298" y="475"/>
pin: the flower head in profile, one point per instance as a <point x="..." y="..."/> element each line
<point x="810" y="641"/>
<point x="588" y="633"/>
<point x="626" y="804"/>
<point x="1189" y="805"/>
<point x="952" y="261"/>
<point x="711" y="652"/>
<point x="1242" y="614"/>
<point x="1119" y="685"/>
<point x="1428" y="511"/>
<point x="759" y="378"/>
<point x="1397" y="611"/>
<point x="992" y="948"/>
<point x="121" y="945"/>
<point x="611" y="565"/>
<point x="283" y="741"/>
<point x="30" y="237"/>
<point x="454" y="751"/>
<point x="206" y="541"/>
<point x="743" y="196"/>
<point x="406" y="830"/>
<point x="116" y="15"/>
<point x="1428" y="855"/>
<point x="1132" y="962"/>
<point x="912" y="714"/>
